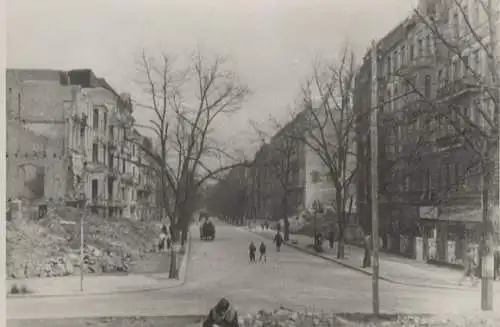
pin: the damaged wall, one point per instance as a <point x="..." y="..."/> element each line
<point x="36" y="169"/>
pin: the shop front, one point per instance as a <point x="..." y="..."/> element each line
<point x="447" y="231"/>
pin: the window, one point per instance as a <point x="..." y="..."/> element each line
<point x="429" y="45"/>
<point x="426" y="183"/>
<point x="133" y="150"/>
<point x="389" y="68"/>
<point x="95" y="189"/>
<point x="403" y="55"/>
<point x="420" y="47"/>
<point x="389" y="101"/>
<point x="458" y="178"/>
<point x="112" y="132"/>
<point x="396" y="66"/>
<point x="96" y="118"/>
<point x="124" y="167"/>
<point x="456" y="25"/>
<point x="412" y="52"/>
<point x="427" y="86"/>
<point x="466" y="13"/>
<point x="477" y="62"/>
<point x="440" y="77"/>
<point x="315" y="178"/>
<point x="466" y="67"/>
<point x="475" y="13"/>
<point x="456" y="70"/>
<point x="105" y="120"/>
<point x="95" y="152"/>
<point x="104" y="153"/>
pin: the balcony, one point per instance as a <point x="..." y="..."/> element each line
<point x="457" y="88"/>
<point x="95" y="167"/>
<point x="113" y="172"/>
<point x="416" y="64"/>
<point x="128" y="178"/>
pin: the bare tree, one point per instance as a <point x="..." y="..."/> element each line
<point x="283" y="162"/>
<point x="186" y="103"/>
<point x="229" y="197"/>
<point x="329" y="131"/>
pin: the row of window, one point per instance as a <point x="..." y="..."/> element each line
<point x="451" y="177"/>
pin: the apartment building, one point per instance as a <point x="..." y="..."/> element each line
<point x="430" y="86"/>
<point x="279" y="167"/>
<point x="87" y="121"/>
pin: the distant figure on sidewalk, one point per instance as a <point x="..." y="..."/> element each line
<point x="262" y="250"/>
<point x="278" y="240"/>
<point x="251" y="251"/>
<point x="496" y="263"/>
<point x="222" y="315"/>
<point x="367" y="243"/>
<point x="469" y="267"/>
<point x="331" y="237"/>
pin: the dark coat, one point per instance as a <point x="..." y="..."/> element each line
<point x="278" y="239"/>
<point x="229" y="319"/>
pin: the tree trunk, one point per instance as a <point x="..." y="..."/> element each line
<point x="341" y="243"/>
<point x="286" y="227"/>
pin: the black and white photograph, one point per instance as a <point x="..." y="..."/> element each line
<point x="265" y="163"/>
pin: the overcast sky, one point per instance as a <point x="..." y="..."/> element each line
<point x="271" y="42"/>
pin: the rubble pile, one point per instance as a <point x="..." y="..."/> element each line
<point x="288" y="318"/>
<point x="50" y="246"/>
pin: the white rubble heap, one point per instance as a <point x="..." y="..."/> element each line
<point x="283" y="317"/>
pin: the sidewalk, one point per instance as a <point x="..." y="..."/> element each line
<point x="100" y="285"/>
<point x="393" y="269"/>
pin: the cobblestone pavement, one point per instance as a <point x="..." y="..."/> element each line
<point x="290" y="278"/>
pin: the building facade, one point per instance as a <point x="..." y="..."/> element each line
<point x="279" y="168"/>
<point x="86" y="124"/>
<point x="431" y="104"/>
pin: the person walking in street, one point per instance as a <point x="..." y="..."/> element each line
<point x="469" y="267"/>
<point x="367" y="246"/>
<point x="262" y="250"/>
<point x="251" y="251"/>
<point x="278" y="240"/>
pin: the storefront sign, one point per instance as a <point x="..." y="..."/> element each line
<point x="428" y="213"/>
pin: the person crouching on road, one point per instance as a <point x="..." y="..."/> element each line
<point x="278" y="240"/>
<point x="251" y="251"/>
<point x="262" y="250"/>
<point x="222" y="315"/>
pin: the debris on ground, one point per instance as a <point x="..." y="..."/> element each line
<point x="50" y="246"/>
<point x="283" y="317"/>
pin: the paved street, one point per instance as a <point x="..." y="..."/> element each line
<point x="221" y="268"/>
<point x="392" y="267"/>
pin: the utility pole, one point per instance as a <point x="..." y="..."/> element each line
<point x="374" y="176"/>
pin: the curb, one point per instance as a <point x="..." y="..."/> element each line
<point x="367" y="273"/>
<point x="180" y="282"/>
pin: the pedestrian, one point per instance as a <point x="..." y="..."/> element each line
<point x="222" y="315"/>
<point x="331" y="237"/>
<point x="496" y="264"/>
<point x="469" y="267"/>
<point x="367" y="246"/>
<point x="278" y="240"/>
<point x="251" y="251"/>
<point x="262" y="250"/>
